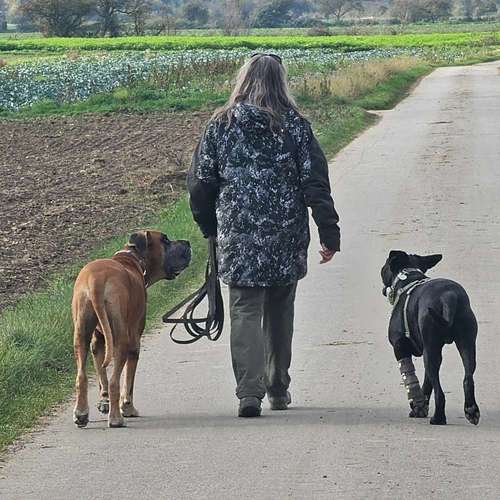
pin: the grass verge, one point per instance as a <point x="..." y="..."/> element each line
<point x="388" y="93"/>
<point x="139" y="99"/>
<point x="36" y="356"/>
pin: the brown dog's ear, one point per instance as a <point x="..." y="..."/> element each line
<point x="140" y="241"/>
<point x="428" y="261"/>
<point x="398" y="260"/>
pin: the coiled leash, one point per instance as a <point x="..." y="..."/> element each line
<point x="211" y="326"/>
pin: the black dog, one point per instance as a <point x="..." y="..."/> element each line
<point x="428" y="313"/>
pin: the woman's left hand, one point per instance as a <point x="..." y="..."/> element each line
<point x="326" y="254"/>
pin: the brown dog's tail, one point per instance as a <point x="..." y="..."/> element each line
<point x="102" y="316"/>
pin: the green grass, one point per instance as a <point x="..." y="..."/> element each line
<point x="387" y="94"/>
<point x="341" y="42"/>
<point x="335" y="123"/>
<point x="140" y="99"/>
<point x="36" y="354"/>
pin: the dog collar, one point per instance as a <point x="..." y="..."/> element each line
<point x="393" y="292"/>
<point x="140" y="262"/>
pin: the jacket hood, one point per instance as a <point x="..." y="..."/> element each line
<point x="250" y="116"/>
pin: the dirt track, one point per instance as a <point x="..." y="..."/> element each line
<point x="68" y="184"/>
<point x="426" y="179"/>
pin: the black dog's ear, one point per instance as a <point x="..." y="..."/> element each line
<point x="140" y="241"/>
<point x="397" y="254"/>
<point x="428" y="261"/>
<point x="398" y="260"/>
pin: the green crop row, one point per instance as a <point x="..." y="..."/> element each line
<point x="347" y="43"/>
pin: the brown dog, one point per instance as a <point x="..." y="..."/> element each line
<point x="109" y="311"/>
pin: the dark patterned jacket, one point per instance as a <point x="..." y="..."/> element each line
<point x="251" y="187"/>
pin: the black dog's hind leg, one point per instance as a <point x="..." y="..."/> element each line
<point x="427" y="387"/>
<point x="432" y="361"/>
<point x="467" y="350"/>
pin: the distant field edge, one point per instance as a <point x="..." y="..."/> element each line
<point x="341" y="42"/>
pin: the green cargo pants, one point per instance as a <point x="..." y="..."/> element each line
<point x="261" y="338"/>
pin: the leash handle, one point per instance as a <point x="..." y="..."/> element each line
<point x="212" y="325"/>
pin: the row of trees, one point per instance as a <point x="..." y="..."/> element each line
<point x="115" y="17"/>
<point x="432" y="10"/>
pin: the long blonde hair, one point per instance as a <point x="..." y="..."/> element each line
<point x="261" y="82"/>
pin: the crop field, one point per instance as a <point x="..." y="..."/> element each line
<point x="342" y="42"/>
<point x="83" y="181"/>
<point x="76" y="78"/>
<point x="176" y="76"/>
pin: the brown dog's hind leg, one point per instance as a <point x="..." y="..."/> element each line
<point x="115" y="418"/>
<point x="81" y="348"/>
<point x="98" y="350"/>
<point x="127" y="399"/>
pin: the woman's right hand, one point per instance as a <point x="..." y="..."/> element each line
<point x="326" y="254"/>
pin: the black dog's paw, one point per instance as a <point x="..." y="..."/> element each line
<point x="438" y="420"/>
<point x="472" y="414"/>
<point x="103" y="406"/>
<point x="419" y="412"/>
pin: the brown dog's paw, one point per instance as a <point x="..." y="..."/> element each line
<point x="116" y="422"/>
<point x="128" y="410"/>
<point x="80" y="419"/>
<point x="472" y="414"/>
<point x="103" y="406"/>
<point x="438" y="420"/>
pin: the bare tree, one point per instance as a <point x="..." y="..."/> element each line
<point x="165" y="18"/>
<point x="57" y="17"/>
<point x="408" y="11"/>
<point x="138" y="11"/>
<point x="107" y="11"/>
<point x="340" y="8"/>
<point x="233" y="20"/>
<point x="3" y="15"/>
<point x="467" y="8"/>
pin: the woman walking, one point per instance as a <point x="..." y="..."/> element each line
<point x="256" y="170"/>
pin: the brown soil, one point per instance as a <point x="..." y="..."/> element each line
<point x="67" y="184"/>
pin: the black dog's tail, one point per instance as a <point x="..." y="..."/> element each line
<point x="446" y="317"/>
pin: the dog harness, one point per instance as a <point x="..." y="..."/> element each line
<point x="394" y="296"/>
